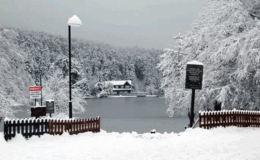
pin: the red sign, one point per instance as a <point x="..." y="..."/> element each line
<point x="35" y="88"/>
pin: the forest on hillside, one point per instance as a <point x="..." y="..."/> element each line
<point x="46" y="57"/>
<point x="91" y="61"/>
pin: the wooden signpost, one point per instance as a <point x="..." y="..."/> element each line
<point x="194" y="76"/>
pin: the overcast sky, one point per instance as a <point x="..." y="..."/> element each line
<point x="146" y="23"/>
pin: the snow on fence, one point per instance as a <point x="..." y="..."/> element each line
<point x="74" y="126"/>
<point x="29" y="127"/>
<point x="239" y="118"/>
<point x="26" y="127"/>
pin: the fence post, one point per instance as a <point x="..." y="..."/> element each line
<point x="41" y="126"/>
<point x="77" y="126"/>
<point x="209" y="119"/>
<point x="6" y="130"/>
<point x="46" y="125"/>
<point x="88" y="124"/>
<point x="257" y="118"/>
<point x="65" y="125"/>
<point x="34" y="127"/>
<point x="99" y="126"/>
<point x="84" y="125"/>
<point x="26" y="129"/>
<point x="14" y="128"/>
<point x="38" y="127"/>
<point x="80" y="126"/>
<point x="18" y="126"/>
<point x="57" y="131"/>
<point x="228" y="118"/>
<point x="22" y="124"/>
<point x="10" y="132"/>
<point x="216" y="118"/>
<point x="234" y="117"/>
<point x="200" y="119"/>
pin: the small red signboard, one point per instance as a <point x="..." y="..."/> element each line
<point x="35" y="88"/>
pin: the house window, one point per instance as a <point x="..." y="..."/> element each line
<point x="119" y="86"/>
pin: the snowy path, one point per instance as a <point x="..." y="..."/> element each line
<point x="197" y="144"/>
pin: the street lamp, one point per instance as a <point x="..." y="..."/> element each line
<point x="73" y="21"/>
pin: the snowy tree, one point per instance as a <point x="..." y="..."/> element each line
<point x="14" y="80"/>
<point x="58" y="90"/>
<point x="226" y="40"/>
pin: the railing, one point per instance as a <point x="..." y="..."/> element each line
<point x="26" y="127"/>
<point x="239" y="118"/>
<point x="29" y="127"/>
<point x="74" y="126"/>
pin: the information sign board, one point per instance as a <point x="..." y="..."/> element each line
<point x="194" y="76"/>
<point x="49" y="106"/>
<point x="35" y="92"/>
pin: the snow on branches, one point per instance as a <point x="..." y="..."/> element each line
<point x="226" y="40"/>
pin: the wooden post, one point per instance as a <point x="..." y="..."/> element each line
<point x="22" y="124"/>
<point x="14" y="128"/>
<point x="18" y="126"/>
<point x="26" y="128"/>
<point x="257" y="119"/>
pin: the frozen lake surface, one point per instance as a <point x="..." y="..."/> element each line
<point x="127" y="114"/>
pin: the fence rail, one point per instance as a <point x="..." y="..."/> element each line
<point x="28" y="128"/>
<point x="75" y="126"/>
<point x="239" y="118"/>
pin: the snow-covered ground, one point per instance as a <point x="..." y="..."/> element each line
<point x="229" y="143"/>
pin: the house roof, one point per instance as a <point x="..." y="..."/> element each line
<point x="119" y="82"/>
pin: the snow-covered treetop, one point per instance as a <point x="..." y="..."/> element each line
<point x="225" y="39"/>
<point x="195" y="62"/>
<point x="74" y="21"/>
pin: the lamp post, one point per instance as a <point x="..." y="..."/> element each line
<point x="73" y="21"/>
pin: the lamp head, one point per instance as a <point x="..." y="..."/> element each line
<point x="74" y="21"/>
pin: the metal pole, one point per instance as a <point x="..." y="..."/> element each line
<point x="70" y="103"/>
<point x="41" y="87"/>
<point x="192" y="108"/>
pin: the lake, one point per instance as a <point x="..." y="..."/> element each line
<point x="127" y="114"/>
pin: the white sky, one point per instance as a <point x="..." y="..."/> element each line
<point x="229" y="143"/>
<point x="146" y="23"/>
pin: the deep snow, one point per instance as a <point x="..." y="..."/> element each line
<point x="231" y="143"/>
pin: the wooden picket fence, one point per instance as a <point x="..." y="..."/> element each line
<point x="29" y="127"/>
<point x="239" y="118"/>
<point x="74" y="126"/>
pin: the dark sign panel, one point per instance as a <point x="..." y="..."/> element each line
<point x="49" y="106"/>
<point x="39" y="111"/>
<point x="194" y="75"/>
